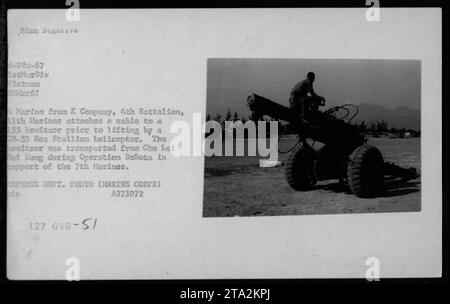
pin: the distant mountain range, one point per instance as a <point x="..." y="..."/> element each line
<point x="400" y="117"/>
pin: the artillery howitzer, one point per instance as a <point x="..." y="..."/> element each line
<point x="344" y="156"/>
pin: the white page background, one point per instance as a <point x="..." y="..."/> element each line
<point x="158" y="57"/>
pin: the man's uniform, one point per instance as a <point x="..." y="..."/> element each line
<point x="301" y="102"/>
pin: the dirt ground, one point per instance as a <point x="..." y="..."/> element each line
<point x="237" y="186"/>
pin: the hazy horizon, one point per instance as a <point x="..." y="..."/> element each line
<point x="388" y="83"/>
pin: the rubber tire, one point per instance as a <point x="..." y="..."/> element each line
<point x="299" y="168"/>
<point x="365" y="174"/>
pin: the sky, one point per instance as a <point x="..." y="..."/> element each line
<point x="388" y="83"/>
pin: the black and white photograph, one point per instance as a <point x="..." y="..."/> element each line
<point x="224" y="144"/>
<point x="348" y="136"/>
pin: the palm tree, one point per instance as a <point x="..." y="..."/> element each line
<point x="217" y="117"/>
<point x="228" y="115"/>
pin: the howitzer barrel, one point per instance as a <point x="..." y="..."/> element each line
<point x="264" y="106"/>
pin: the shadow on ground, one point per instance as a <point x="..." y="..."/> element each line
<point x="393" y="187"/>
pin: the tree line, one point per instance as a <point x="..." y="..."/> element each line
<point x="382" y="127"/>
<point x="374" y="128"/>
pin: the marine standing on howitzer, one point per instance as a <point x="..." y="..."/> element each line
<point x="303" y="99"/>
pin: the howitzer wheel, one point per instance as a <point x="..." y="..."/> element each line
<point x="365" y="171"/>
<point x="300" y="168"/>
